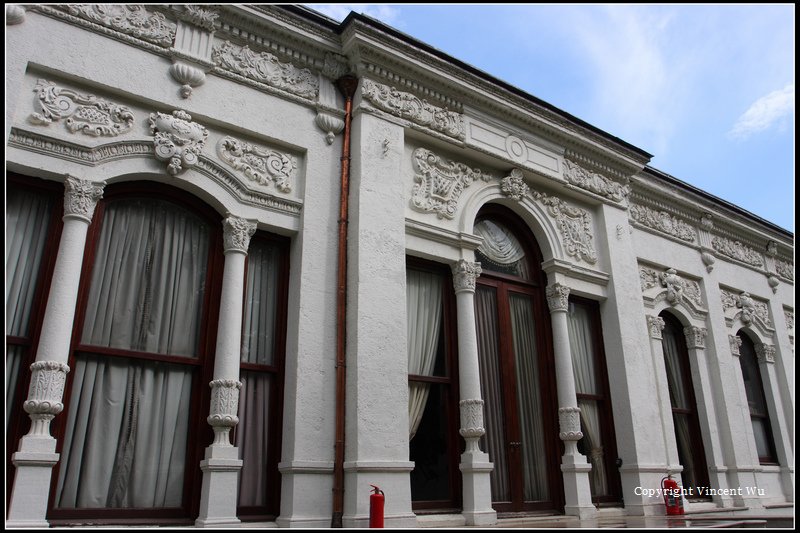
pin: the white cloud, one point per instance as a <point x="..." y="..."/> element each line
<point x="384" y="13"/>
<point x="764" y="113"/>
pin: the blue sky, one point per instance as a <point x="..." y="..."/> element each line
<point x="707" y="89"/>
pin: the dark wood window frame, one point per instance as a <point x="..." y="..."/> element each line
<point x="748" y="350"/>
<point x="449" y="382"/>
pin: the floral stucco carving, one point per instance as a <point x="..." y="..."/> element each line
<point x="465" y="274"/>
<point x="663" y="222"/>
<point x="406" y="105"/>
<point x="594" y="182"/>
<point x="575" y="225"/>
<point x="177" y="140"/>
<point x="514" y="185"/>
<point x="671" y="287"/>
<point x="266" y="68"/>
<point x="131" y="19"/>
<point x="751" y="311"/>
<point x="262" y="165"/>
<point x="83" y="113"/>
<point x="785" y="269"/>
<point x="200" y="16"/>
<point x="737" y="250"/>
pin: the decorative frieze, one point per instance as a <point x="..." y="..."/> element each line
<point x="81" y="197"/>
<point x="765" y="353"/>
<point x="224" y="409"/>
<point x="569" y="423"/>
<point x="440" y="182"/>
<point x="749" y="310"/>
<point x="663" y="221"/>
<point x="594" y="182"/>
<point x="261" y="165"/>
<point x="407" y="106"/>
<point x="789" y="316"/>
<point x="514" y="185"/>
<point x="471" y="422"/>
<point x="87" y="114"/>
<point x="655" y="325"/>
<point x="673" y="288"/>
<point x="737" y="250"/>
<point x="45" y="393"/>
<point x="177" y="140"/>
<point x="200" y="16"/>
<point x="695" y="337"/>
<point x="557" y="297"/>
<point x="464" y="275"/>
<point x="130" y="19"/>
<point x="266" y="68"/>
<point x="575" y="225"/>
<point x="736" y="343"/>
<point x="236" y="233"/>
<point x="785" y="269"/>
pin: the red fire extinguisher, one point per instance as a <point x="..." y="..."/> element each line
<point x="376" y="500"/>
<point x="672" y="496"/>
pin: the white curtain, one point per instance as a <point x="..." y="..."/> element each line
<point x="501" y="249"/>
<point x="252" y="437"/>
<point x="424" y="319"/>
<point x="258" y="337"/>
<point x="27" y="222"/>
<point x="127" y="420"/>
<point x="529" y="398"/>
<point x="583" y="365"/>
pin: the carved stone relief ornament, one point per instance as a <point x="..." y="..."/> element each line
<point x="749" y="310"/>
<point x="655" y="325"/>
<point x="575" y="224"/>
<point x="87" y="114"/>
<point x="737" y="250"/>
<point x="407" y="106"/>
<point x="266" y="68"/>
<point x="258" y="164"/>
<point x="177" y="140"/>
<point x="330" y="124"/>
<point x="236" y="233"/>
<point x="789" y="316"/>
<point x="663" y="222"/>
<point x="594" y="182"/>
<point x="464" y="275"/>
<point x="471" y="423"/>
<point x="569" y="423"/>
<point x="439" y="183"/>
<point x="695" y="336"/>
<point x="14" y="14"/>
<point x="44" y="395"/>
<point x="675" y="285"/>
<point x="736" y="343"/>
<point x="785" y="269"/>
<point x="514" y="185"/>
<point x="81" y="197"/>
<point x="224" y="409"/>
<point x="131" y="19"/>
<point x="557" y="297"/>
<point x="765" y="353"/>
<point x="200" y="16"/>
<point x="747" y="306"/>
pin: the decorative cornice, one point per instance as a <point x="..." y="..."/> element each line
<point x="265" y="67"/>
<point x="765" y="353"/>
<point x="514" y="185"/>
<point x="557" y="297"/>
<point x="576" y="175"/>
<point x="655" y="325"/>
<point x="130" y="19"/>
<point x="409" y="107"/>
<point x="695" y="337"/>
<point x="736" y="343"/>
<point x="258" y="164"/>
<point x="236" y="233"/>
<point x="440" y="182"/>
<point x="663" y="222"/>
<point x="737" y="250"/>
<point x="87" y="114"/>
<point x="81" y="197"/>
<point x="464" y="275"/>
<point x="177" y="139"/>
<point x="569" y="423"/>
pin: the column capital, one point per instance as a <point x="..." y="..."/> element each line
<point x="656" y="325"/>
<point x="695" y="337"/>
<point x="236" y="233"/>
<point x="45" y="394"/>
<point x="471" y="422"/>
<point x="557" y="297"/>
<point x="736" y="342"/>
<point x="464" y="275"/>
<point x="765" y="353"/>
<point x="80" y="197"/>
<point x="569" y="422"/>
<point x="224" y="408"/>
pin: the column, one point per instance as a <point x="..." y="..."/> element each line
<point x="37" y="450"/>
<point x="222" y="464"/>
<point x="574" y="467"/>
<point x="475" y="466"/>
<point x="655" y="325"/>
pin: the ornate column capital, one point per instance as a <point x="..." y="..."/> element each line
<point x="695" y="337"/>
<point x="471" y="423"/>
<point x="656" y="325"/>
<point x="81" y="197"/>
<point x="557" y="297"/>
<point x="736" y="342"/>
<point x="45" y="394"/>
<point x="464" y="275"/>
<point x="236" y="234"/>
<point x="569" y="423"/>
<point x="224" y="409"/>
<point x="765" y="353"/>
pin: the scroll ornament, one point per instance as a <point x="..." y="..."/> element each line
<point x="259" y="164"/>
<point x="177" y="140"/>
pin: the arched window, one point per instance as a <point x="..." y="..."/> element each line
<point x="756" y="401"/>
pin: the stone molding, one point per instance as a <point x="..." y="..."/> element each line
<point x="749" y="310"/>
<point x="557" y="297"/>
<point x="569" y="423"/>
<point x="655" y="325"/>
<point x="407" y="106"/>
<point x="45" y="393"/>
<point x="130" y="19"/>
<point x="224" y="409"/>
<point x="81" y="197"/>
<point x="266" y="68"/>
<point x="663" y="222"/>
<point x="736" y="343"/>
<point x="464" y="275"/>
<point x="177" y="139"/>
<point x="514" y="185"/>
<point x="765" y="353"/>
<point x="236" y="234"/>
<point x="258" y="164"/>
<point x="695" y="337"/>
<point x="87" y="114"/>
<point x="594" y="182"/>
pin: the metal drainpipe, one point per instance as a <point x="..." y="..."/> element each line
<point x="347" y="85"/>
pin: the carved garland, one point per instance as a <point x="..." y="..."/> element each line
<point x="87" y="114"/>
<point x="663" y="222"/>
<point x="131" y="19"/>
<point x="258" y="164"/>
<point x="751" y="310"/>
<point x="594" y="182"/>
<point x="737" y="250"/>
<point x="785" y="269"/>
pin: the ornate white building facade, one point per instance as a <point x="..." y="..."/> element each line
<point x="510" y="311"/>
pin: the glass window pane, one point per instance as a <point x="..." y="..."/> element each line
<point x="501" y="251"/>
<point x="424" y="323"/>
<point x="261" y="300"/>
<point x="581" y="342"/>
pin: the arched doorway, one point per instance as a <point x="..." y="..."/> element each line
<point x="516" y="365"/>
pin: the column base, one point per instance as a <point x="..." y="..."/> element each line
<point x="220" y="468"/>
<point x="34" y="468"/>
<point x="577" y="491"/>
<point x="477" y="490"/>
<point x="306" y="494"/>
